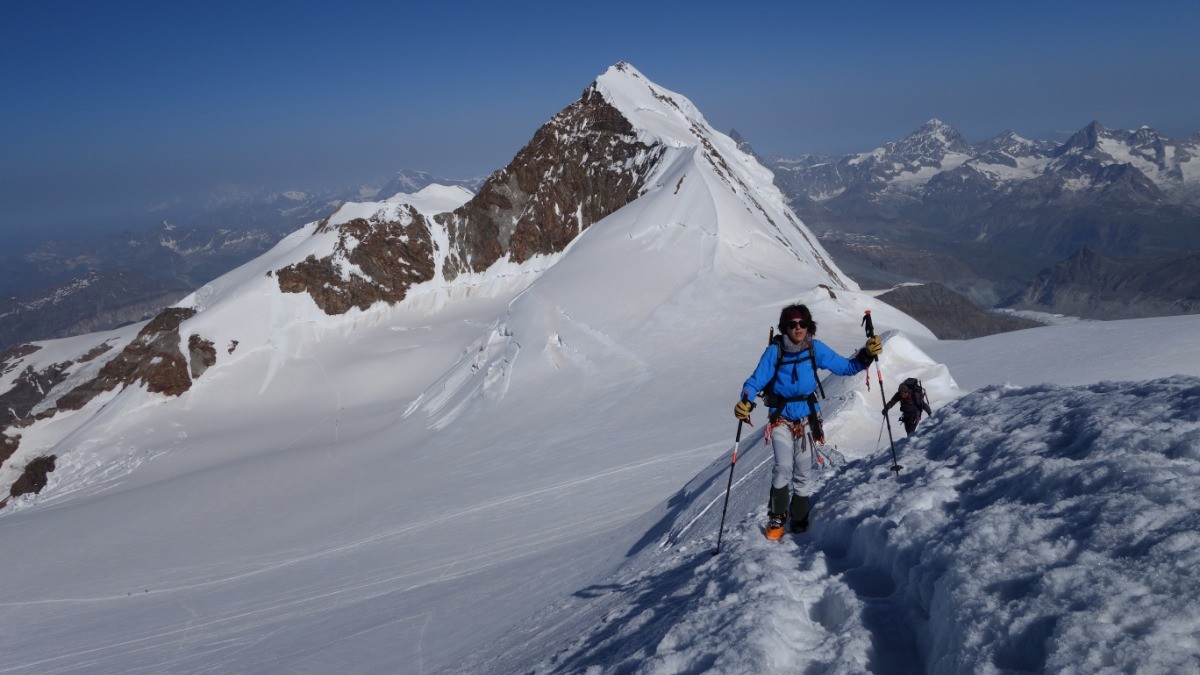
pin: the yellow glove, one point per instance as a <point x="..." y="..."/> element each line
<point x="742" y="410"/>
<point x="870" y="351"/>
<point x="874" y="346"/>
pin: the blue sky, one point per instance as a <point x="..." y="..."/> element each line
<point x="110" y="107"/>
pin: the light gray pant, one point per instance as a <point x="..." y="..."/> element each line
<point x="793" y="464"/>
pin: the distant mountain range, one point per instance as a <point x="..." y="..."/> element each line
<point x="933" y="205"/>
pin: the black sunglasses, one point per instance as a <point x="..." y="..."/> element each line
<point x="797" y="324"/>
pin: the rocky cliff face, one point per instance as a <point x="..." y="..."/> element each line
<point x="582" y="165"/>
<point x="949" y="315"/>
<point x="374" y="260"/>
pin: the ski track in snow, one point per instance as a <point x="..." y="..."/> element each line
<point x="266" y="612"/>
<point x="531" y="543"/>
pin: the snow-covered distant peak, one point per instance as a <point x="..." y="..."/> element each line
<point x="938" y="129"/>
<point x="935" y="136"/>
<point x="935" y="145"/>
<point x="1010" y="142"/>
<point x="434" y="199"/>
<point x="431" y="200"/>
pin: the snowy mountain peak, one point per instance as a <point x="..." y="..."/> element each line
<point x="1015" y="145"/>
<point x="627" y="192"/>
<point x="933" y="137"/>
<point x="1085" y="139"/>
<point x="908" y="164"/>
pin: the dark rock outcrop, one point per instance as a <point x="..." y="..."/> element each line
<point x="382" y="260"/>
<point x="12" y="356"/>
<point x="152" y="358"/>
<point x="1093" y="286"/>
<point x="202" y="355"/>
<point x="949" y="315"/>
<point x="33" y="479"/>
<point x="30" y="389"/>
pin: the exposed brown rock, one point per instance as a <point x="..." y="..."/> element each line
<point x="94" y="352"/>
<point x="29" y="389"/>
<point x="581" y="166"/>
<point x="34" y="477"/>
<point x="153" y="357"/>
<point x="10" y="358"/>
<point x="202" y="355"/>
<point x="8" y="445"/>
<point x="382" y="259"/>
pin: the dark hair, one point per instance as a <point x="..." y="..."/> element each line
<point x="793" y="312"/>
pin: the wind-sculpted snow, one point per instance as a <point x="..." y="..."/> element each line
<point x="1045" y="529"/>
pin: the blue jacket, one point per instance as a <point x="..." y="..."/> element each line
<point x="796" y="375"/>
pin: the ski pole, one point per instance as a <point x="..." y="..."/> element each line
<point x="736" y="441"/>
<point x="870" y="328"/>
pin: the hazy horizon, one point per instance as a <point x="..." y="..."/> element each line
<point x="115" y="109"/>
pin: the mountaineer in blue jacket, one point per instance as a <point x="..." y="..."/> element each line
<point x="787" y="377"/>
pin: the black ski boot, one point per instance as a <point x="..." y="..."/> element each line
<point x="799" y="513"/>
<point x="777" y="513"/>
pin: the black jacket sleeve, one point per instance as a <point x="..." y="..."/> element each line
<point x="895" y="399"/>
